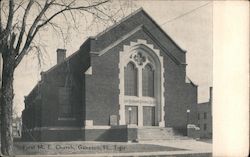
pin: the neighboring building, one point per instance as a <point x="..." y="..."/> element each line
<point x="205" y="118"/>
<point x="17" y="127"/>
<point x="126" y="83"/>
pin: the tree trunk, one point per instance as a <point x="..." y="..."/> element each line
<point x="7" y="105"/>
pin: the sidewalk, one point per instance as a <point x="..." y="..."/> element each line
<point x="193" y="146"/>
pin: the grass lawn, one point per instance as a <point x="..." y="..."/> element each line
<point x="85" y="147"/>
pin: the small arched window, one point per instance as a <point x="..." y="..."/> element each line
<point x="130" y="83"/>
<point x="148" y="81"/>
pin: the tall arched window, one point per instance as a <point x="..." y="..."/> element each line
<point x="130" y="79"/>
<point x="148" y="81"/>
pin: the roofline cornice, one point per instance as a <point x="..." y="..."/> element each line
<point x="161" y="29"/>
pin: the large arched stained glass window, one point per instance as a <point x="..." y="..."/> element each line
<point x="148" y="81"/>
<point x="130" y="79"/>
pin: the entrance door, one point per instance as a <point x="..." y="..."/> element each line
<point x="148" y="116"/>
<point x="131" y="113"/>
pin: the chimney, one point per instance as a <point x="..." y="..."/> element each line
<point x="61" y="55"/>
<point x="42" y="75"/>
<point x="210" y="94"/>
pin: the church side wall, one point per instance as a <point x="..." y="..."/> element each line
<point x="175" y="103"/>
<point x="102" y="93"/>
<point x="57" y="79"/>
<point x="70" y="74"/>
<point x="191" y="101"/>
<point x="45" y="111"/>
<point x="180" y="97"/>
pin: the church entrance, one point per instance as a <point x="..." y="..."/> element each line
<point x="131" y="114"/>
<point x="140" y="115"/>
<point x="148" y="116"/>
<point x="141" y="86"/>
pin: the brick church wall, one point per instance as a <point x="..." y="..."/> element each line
<point x="102" y="93"/>
<point x="191" y="102"/>
<point x="42" y="105"/>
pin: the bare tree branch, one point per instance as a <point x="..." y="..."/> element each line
<point x="56" y="27"/>
<point x="3" y="31"/>
<point x="10" y="16"/>
<point x="64" y="4"/>
<point x="19" y="5"/>
<point x="1" y="26"/>
<point x="4" y="9"/>
<point x="35" y="28"/>
<point x="68" y="7"/>
<point x="26" y="13"/>
<point x="38" y="18"/>
<point x="12" y="40"/>
<point x="31" y="34"/>
<point x="110" y="17"/>
<point x="38" y="52"/>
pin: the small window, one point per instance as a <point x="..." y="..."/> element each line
<point x="205" y="115"/>
<point x="205" y="127"/>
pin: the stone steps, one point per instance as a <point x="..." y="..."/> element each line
<point x="156" y="133"/>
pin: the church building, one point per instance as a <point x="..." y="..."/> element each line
<point x="128" y="83"/>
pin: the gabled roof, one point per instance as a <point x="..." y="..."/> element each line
<point x="140" y="10"/>
<point x="146" y="31"/>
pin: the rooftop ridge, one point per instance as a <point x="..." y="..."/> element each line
<point x="119" y="22"/>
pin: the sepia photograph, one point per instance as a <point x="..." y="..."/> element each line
<point x="106" y="78"/>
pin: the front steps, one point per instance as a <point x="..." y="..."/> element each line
<point x="158" y="133"/>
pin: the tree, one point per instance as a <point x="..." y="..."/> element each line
<point x="18" y="29"/>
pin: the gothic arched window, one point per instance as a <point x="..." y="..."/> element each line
<point x="130" y="83"/>
<point x="148" y="81"/>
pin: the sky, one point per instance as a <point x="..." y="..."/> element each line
<point x="188" y="23"/>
